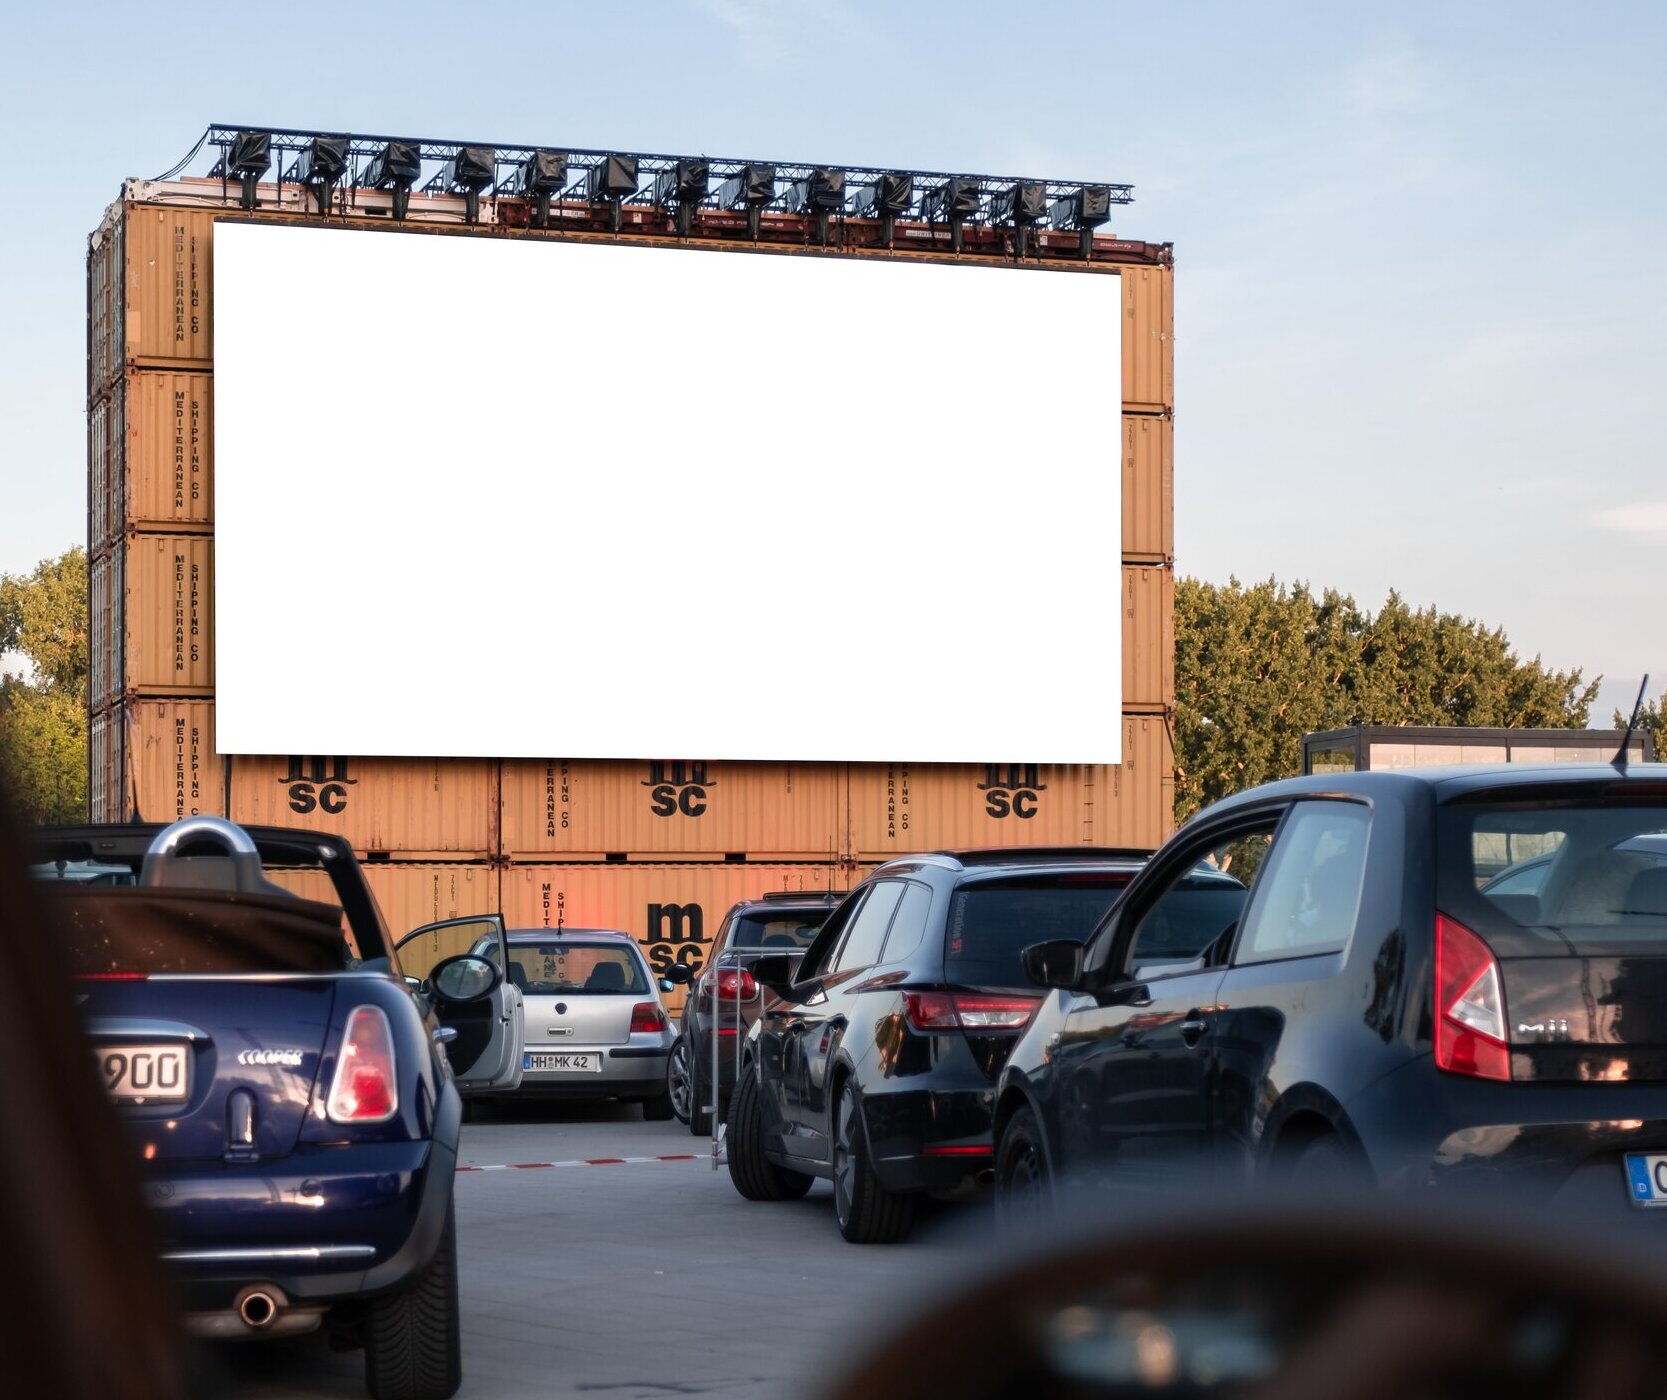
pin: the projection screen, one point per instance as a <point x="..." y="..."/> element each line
<point x="491" y="497"/>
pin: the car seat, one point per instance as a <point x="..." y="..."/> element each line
<point x="518" y="975"/>
<point x="606" y="977"/>
<point x="1646" y="897"/>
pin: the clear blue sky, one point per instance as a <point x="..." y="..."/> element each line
<point x="1421" y="251"/>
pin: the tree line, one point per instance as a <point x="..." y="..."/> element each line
<point x="1256" y="667"/>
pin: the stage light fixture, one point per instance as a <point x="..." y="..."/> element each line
<point x="612" y="182"/>
<point x="1023" y="205"/>
<point x="681" y="189"/>
<point x="888" y="197"/>
<point x="956" y="200"/>
<point x="822" y="193"/>
<point x="397" y="166"/>
<point x="471" y="170"/>
<point x="250" y="157"/>
<point x="542" y="176"/>
<point x="321" y="166"/>
<point x="1086" y="209"/>
<point x="750" y="188"/>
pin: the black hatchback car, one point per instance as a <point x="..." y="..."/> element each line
<point x="874" y="1062"/>
<point x="1364" y="1004"/>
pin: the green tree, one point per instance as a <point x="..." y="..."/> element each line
<point x="43" y="713"/>
<point x="1259" y="665"/>
<point x="1651" y="718"/>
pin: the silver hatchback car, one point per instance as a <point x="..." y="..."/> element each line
<point x="596" y="1027"/>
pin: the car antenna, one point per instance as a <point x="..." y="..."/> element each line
<point x="1619" y="761"/>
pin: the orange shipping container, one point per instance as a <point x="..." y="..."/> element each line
<point x="409" y="895"/>
<point x="1148" y="488"/>
<point x="1135" y="803"/>
<point x="163" y="622"/>
<point x="584" y="808"/>
<point x="167" y="270"/>
<point x="104" y="769"/>
<point x="168" y="764"/>
<point x="1148" y="339"/>
<point x="104" y="302"/>
<point x="98" y="475"/>
<point x="104" y="630"/>
<point x="1148" y="636"/>
<point x="672" y="910"/>
<point x="160" y="465"/>
<point x="415" y="807"/>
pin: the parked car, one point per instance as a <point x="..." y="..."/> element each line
<point x="596" y="1024"/>
<point x="784" y="922"/>
<point x="292" y="1099"/>
<point x="874" y="1063"/>
<point x="1526" y="876"/>
<point x="1370" y="1008"/>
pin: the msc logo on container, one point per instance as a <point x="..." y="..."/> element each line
<point x="1012" y="789"/>
<point x="317" y="785"/>
<point x="676" y="933"/>
<point x="678" y="788"/>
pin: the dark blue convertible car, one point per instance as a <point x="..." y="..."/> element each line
<point x="291" y="1096"/>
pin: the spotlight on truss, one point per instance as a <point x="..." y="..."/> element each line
<point x="886" y="199"/>
<point x="612" y="182"/>
<point x="956" y="200"/>
<point x="541" y="177"/>
<point x="250" y="157"/>
<point x="471" y="170"/>
<point x="1086" y="209"/>
<point x="821" y="193"/>
<point x="750" y="188"/>
<point x="1023" y="205"/>
<point x="681" y="189"/>
<point x="321" y="166"/>
<point x="396" y="166"/>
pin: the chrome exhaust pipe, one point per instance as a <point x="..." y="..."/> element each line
<point x="259" y="1305"/>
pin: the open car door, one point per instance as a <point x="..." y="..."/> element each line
<point x="486" y="1055"/>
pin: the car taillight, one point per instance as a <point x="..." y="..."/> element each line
<point x="736" y="984"/>
<point x="1469" y="1005"/>
<point x="111" y="976"/>
<point x="364" y="1089"/>
<point x="647" y="1016"/>
<point x="967" y="1011"/>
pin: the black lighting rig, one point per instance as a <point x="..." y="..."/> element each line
<point x="682" y="196"/>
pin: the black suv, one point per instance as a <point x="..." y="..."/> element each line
<point x="1366" y="1004"/>
<point x="874" y="1063"/>
<point x="784" y="922"/>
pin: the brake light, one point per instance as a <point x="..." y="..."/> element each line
<point x="967" y="1011"/>
<point x="1469" y="1005"/>
<point x="647" y="1016"/>
<point x="364" y="1088"/>
<point x="736" y="984"/>
<point x="111" y="976"/>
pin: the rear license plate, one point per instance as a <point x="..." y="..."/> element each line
<point x="1646" y="1178"/>
<point x="581" y="1063"/>
<point x="145" y="1073"/>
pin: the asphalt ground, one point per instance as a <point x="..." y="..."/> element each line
<point x="642" y="1278"/>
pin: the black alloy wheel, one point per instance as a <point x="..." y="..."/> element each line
<point x="678" y="1085"/>
<point x="1024" y="1190"/>
<point x="866" y="1211"/>
<point x="754" y="1175"/>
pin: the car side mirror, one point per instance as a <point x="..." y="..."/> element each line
<point x="775" y="971"/>
<point x="464" y="978"/>
<point x="1057" y="963"/>
<point x="678" y="974"/>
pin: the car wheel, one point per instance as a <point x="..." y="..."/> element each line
<point x="700" y="1114"/>
<point x="412" y="1347"/>
<point x="1024" y="1189"/>
<point x="678" y="1087"/>
<point x="867" y="1212"/>
<point x="755" y="1176"/>
<point x="659" y="1108"/>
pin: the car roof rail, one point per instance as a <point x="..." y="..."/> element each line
<point x="1023" y="855"/>
<point x="801" y="896"/>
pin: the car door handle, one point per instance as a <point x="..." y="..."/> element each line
<point x="1193" y="1028"/>
<point x="444" y="1035"/>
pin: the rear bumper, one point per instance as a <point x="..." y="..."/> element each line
<point x="324" y="1224"/>
<point x="1560" y="1144"/>
<point x="936" y="1139"/>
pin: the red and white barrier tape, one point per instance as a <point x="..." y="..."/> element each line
<point x="581" y="1162"/>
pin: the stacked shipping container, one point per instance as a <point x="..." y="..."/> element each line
<point x="659" y="848"/>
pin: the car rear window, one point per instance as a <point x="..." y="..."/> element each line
<point x="992" y="922"/>
<point x="1539" y="878"/>
<point x="576" y="969"/>
<point x="790" y="933"/>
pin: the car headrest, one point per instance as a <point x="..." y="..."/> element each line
<point x="1647" y="894"/>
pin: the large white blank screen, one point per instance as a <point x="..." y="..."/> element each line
<point x="513" y="498"/>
